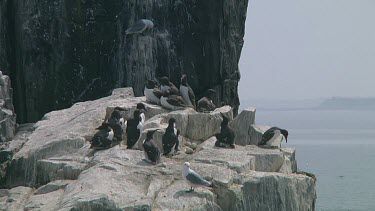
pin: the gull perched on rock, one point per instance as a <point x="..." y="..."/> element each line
<point x="140" y="26"/>
<point x="193" y="178"/>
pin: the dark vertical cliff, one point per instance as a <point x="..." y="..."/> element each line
<point x="61" y="52"/>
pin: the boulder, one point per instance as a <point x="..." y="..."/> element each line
<point x="290" y="153"/>
<point x="60" y="168"/>
<point x="269" y="160"/>
<point x="202" y="126"/>
<point x="52" y="186"/>
<point x="15" y="198"/>
<point x="192" y="125"/>
<point x="256" y="132"/>
<point x="242" y="126"/>
<point x="60" y="133"/>
<point x="276" y="191"/>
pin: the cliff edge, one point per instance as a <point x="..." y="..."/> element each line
<point x="54" y="169"/>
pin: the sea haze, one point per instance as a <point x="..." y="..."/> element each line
<point x="338" y="147"/>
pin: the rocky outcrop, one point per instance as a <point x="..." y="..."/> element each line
<point x="72" y="51"/>
<point x="67" y="175"/>
<point x="7" y="116"/>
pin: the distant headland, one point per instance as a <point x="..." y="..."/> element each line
<point x="355" y="103"/>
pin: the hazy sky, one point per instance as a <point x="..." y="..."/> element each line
<point x="301" y="49"/>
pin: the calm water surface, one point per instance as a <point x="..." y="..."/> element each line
<point x="338" y="146"/>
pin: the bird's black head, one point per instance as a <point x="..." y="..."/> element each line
<point x="104" y="126"/>
<point x="210" y="93"/>
<point x="150" y="134"/>
<point x="171" y="121"/>
<point x="117" y="112"/>
<point x="141" y="106"/>
<point x="285" y="134"/>
<point x="150" y="84"/>
<point x="184" y="80"/>
<point x="164" y="81"/>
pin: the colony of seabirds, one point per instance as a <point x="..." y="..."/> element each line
<point x="170" y="97"/>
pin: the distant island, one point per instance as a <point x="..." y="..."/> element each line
<point x="348" y="103"/>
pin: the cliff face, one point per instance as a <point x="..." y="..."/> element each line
<point x="76" y="50"/>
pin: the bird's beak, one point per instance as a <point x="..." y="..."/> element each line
<point x="286" y="139"/>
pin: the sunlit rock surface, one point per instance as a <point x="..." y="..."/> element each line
<point x="55" y="169"/>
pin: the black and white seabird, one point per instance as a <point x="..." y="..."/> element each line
<point x="226" y="136"/>
<point x="273" y="137"/>
<point x="116" y="122"/>
<point x="170" y="138"/>
<point x="103" y="138"/>
<point x="192" y="178"/>
<point x="166" y="85"/>
<point x="172" y="102"/>
<point x="187" y="92"/>
<point x="152" y="93"/>
<point x="152" y="152"/>
<point x="142" y="108"/>
<point x="140" y="26"/>
<point x="205" y="104"/>
<point x="134" y="129"/>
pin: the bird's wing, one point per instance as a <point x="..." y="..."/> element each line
<point x="157" y="92"/>
<point x="137" y="27"/>
<point x="268" y="135"/>
<point x="191" y="94"/>
<point x="155" y="148"/>
<point x="174" y="101"/>
<point x="173" y="89"/>
<point x="194" y="178"/>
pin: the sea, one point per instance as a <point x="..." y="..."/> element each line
<point x="338" y="146"/>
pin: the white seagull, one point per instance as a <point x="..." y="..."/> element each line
<point x="193" y="178"/>
<point x="140" y="26"/>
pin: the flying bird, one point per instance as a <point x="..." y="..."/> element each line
<point x="140" y="26"/>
